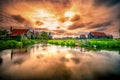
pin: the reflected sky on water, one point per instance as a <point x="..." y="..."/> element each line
<point x="50" y="62"/>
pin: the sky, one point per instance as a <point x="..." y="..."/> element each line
<point x="62" y="17"/>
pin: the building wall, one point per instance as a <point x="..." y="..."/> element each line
<point x="90" y="36"/>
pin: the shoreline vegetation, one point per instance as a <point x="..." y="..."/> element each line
<point x="90" y="43"/>
<point x="86" y="43"/>
<point x="12" y="44"/>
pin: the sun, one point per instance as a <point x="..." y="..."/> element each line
<point x="67" y="23"/>
<point x="69" y="14"/>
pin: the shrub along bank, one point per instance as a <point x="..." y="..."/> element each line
<point x="9" y="44"/>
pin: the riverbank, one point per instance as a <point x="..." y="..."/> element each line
<point x="10" y="44"/>
<point x="70" y="43"/>
<point x="91" y="43"/>
<point x="104" y="44"/>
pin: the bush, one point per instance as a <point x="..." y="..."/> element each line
<point x="15" y="44"/>
<point x="105" y="44"/>
<point x="62" y="42"/>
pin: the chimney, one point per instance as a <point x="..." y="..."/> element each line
<point x="119" y="31"/>
<point x="11" y="29"/>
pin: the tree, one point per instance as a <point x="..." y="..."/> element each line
<point x="43" y="36"/>
<point x="3" y="33"/>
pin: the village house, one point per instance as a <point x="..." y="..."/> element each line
<point x="19" y="34"/>
<point x="4" y="34"/>
<point x="98" y="35"/>
<point x="82" y="36"/>
<point x="39" y="31"/>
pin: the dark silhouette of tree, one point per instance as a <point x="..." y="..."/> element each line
<point x="3" y="34"/>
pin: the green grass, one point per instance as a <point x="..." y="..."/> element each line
<point x="101" y="43"/>
<point x="10" y="44"/>
<point x="105" y="44"/>
<point x="70" y="43"/>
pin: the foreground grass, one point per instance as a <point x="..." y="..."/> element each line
<point x="70" y="43"/>
<point x="99" y="43"/>
<point x="104" y="44"/>
<point x="10" y="44"/>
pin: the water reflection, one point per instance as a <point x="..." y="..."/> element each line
<point x="1" y="60"/>
<point x="19" y="52"/>
<point x="49" y="62"/>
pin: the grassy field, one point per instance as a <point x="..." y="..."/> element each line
<point x="99" y="43"/>
<point x="10" y="44"/>
<point x="104" y="43"/>
<point x="70" y="43"/>
<point x="91" y="43"/>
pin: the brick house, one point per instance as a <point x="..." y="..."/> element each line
<point x="98" y="35"/>
<point x="19" y="34"/>
<point x="82" y="36"/>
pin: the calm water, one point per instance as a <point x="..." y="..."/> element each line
<point x="49" y="62"/>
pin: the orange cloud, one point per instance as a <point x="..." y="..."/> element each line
<point x="18" y="18"/>
<point x="39" y="23"/>
<point x="69" y="15"/>
<point x="75" y="25"/>
<point x="75" y="18"/>
<point x="63" y="19"/>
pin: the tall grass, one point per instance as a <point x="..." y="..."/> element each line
<point x="70" y="43"/>
<point x="99" y="43"/>
<point x="105" y="44"/>
<point x="9" y="44"/>
<point x="102" y="43"/>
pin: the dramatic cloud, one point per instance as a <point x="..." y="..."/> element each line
<point x="104" y="24"/>
<point x="119" y="16"/>
<point x="58" y="31"/>
<point x="39" y="23"/>
<point x="43" y="29"/>
<point x="75" y="18"/>
<point x="62" y="17"/>
<point x="101" y="29"/>
<point x="107" y="2"/>
<point x="18" y="18"/>
<point x="75" y="26"/>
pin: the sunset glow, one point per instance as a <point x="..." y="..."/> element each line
<point x="59" y="39"/>
<point x="69" y="15"/>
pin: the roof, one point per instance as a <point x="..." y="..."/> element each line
<point x="98" y="33"/>
<point x="18" y="32"/>
<point x="82" y="35"/>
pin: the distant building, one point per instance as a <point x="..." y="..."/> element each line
<point x="49" y="35"/>
<point x="98" y="35"/>
<point x="4" y="35"/>
<point x="82" y="36"/>
<point x="19" y="34"/>
<point x="109" y="36"/>
<point x="40" y="31"/>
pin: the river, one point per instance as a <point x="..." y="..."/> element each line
<point x="50" y="62"/>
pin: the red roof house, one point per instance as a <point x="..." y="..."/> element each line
<point x="20" y="34"/>
<point x="82" y="36"/>
<point x="97" y="35"/>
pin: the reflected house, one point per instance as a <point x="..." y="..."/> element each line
<point x="1" y="60"/>
<point x="19" y="53"/>
<point x="19" y="34"/>
<point x="4" y="34"/>
<point x="39" y="31"/>
<point x="49" y="35"/>
<point x="82" y="36"/>
<point x="109" y="36"/>
<point x="98" y="35"/>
